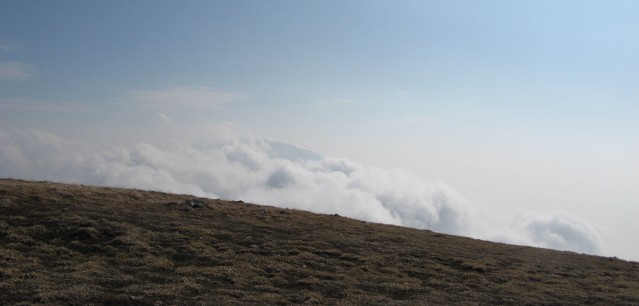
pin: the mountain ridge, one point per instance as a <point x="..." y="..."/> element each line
<point x="76" y="244"/>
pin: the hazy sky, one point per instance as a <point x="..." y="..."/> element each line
<point x="517" y="106"/>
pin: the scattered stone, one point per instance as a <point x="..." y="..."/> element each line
<point x="195" y="203"/>
<point x="264" y="211"/>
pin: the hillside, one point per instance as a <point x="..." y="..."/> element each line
<point x="77" y="245"/>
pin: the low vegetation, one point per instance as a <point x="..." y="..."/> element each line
<point x="78" y="245"/>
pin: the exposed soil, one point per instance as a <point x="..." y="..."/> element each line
<point x="78" y="245"/>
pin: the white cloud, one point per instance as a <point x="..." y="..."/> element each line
<point x="557" y="230"/>
<point x="183" y="98"/>
<point x="216" y="161"/>
<point x="15" y="70"/>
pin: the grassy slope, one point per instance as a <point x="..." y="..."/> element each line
<point x="70" y="244"/>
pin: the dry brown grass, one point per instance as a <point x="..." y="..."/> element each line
<point x="77" y="245"/>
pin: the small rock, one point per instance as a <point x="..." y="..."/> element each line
<point x="195" y="203"/>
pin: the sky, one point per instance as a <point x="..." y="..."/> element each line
<point x="512" y="121"/>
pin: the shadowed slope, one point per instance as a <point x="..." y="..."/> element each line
<point x="70" y="244"/>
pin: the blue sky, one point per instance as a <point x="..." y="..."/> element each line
<point x="517" y="105"/>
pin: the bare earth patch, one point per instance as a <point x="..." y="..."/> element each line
<point x="77" y="245"/>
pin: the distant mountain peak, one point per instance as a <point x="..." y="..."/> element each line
<point x="288" y="151"/>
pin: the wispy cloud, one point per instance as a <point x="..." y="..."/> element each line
<point x="324" y="104"/>
<point x="8" y="47"/>
<point x="406" y="120"/>
<point x="15" y="70"/>
<point x="183" y="98"/>
<point x="29" y="105"/>
<point x="165" y="118"/>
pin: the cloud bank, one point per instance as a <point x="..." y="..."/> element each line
<point x="558" y="230"/>
<point x="218" y="162"/>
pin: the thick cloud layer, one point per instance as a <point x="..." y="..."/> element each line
<point x="558" y="230"/>
<point x="230" y="166"/>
